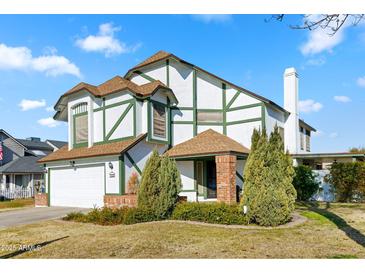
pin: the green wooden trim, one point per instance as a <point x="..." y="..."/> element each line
<point x="188" y="190"/>
<point x="84" y="144"/>
<point x="169" y="124"/>
<point x="182" y="108"/>
<point x="133" y="163"/>
<point x="224" y="108"/>
<point x="49" y="187"/>
<point x="182" y="122"/>
<point x="134" y="117"/>
<point x="244" y="107"/>
<point x="149" y="118"/>
<point x="263" y="116"/>
<point x="104" y="120"/>
<point x="145" y="76"/>
<point x="239" y="176"/>
<point x="120" y="119"/>
<point x="168" y="72"/>
<point x="104" y="107"/>
<point x="210" y="123"/>
<point x="195" y="128"/>
<point x="244" y="121"/>
<point x="210" y="110"/>
<point x="114" y="140"/>
<point x="233" y="99"/>
<point x="121" y="175"/>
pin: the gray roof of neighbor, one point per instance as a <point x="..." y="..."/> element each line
<point x="27" y="164"/>
<point x="35" y="145"/>
<point x="57" y="144"/>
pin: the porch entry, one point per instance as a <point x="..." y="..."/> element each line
<point x="206" y="178"/>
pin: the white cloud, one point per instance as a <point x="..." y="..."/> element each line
<point x="49" y="109"/>
<point x="48" y="122"/>
<point x="319" y="39"/>
<point x="361" y="82"/>
<point x="31" y="104"/>
<point x="105" y="42"/>
<point x="342" y="99"/>
<point x="308" y="106"/>
<point x="333" y="135"/>
<point x="20" y="58"/>
<point x="213" y="18"/>
<point x="316" y="61"/>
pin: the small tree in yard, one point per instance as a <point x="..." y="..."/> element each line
<point x="170" y="187"/>
<point x="160" y="186"/>
<point x="268" y="190"/>
<point x="149" y="188"/>
<point x="305" y="183"/>
<point x="348" y="180"/>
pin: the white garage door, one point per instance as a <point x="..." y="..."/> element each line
<point x="79" y="187"/>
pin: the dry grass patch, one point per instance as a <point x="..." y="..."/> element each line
<point x="18" y="203"/>
<point x="319" y="237"/>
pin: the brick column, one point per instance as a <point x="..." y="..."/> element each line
<point x="41" y="199"/>
<point x="226" y="178"/>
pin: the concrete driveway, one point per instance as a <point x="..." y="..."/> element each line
<point x="34" y="214"/>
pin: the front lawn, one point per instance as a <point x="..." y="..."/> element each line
<point x="4" y="205"/>
<point x="334" y="232"/>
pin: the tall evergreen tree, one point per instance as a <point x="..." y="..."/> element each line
<point x="149" y="187"/>
<point x="268" y="190"/>
<point x="170" y="187"/>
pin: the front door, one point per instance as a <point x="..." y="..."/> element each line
<point x="211" y="180"/>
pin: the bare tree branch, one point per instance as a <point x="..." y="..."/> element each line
<point x="331" y="22"/>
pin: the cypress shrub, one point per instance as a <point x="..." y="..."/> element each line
<point x="268" y="190"/>
<point x="148" y="191"/>
<point x="170" y="186"/>
<point x="305" y="182"/>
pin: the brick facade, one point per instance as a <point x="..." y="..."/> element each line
<point x="117" y="201"/>
<point x="226" y="178"/>
<point x="41" y="199"/>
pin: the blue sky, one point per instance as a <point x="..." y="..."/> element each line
<point x="41" y="57"/>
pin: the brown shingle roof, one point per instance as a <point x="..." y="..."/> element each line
<point x="118" y="83"/>
<point x="206" y="143"/>
<point x="154" y="58"/>
<point x="114" y="148"/>
<point x="161" y="55"/>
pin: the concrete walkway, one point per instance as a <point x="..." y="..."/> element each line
<point x="34" y="214"/>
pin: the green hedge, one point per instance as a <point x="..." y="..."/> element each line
<point x="216" y="213"/>
<point x="107" y="216"/>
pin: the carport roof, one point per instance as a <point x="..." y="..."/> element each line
<point x="113" y="148"/>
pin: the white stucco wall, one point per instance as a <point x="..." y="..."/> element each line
<point x="244" y="114"/>
<point x="181" y="82"/>
<point x="181" y="133"/>
<point x="242" y="132"/>
<point x="209" y="92"/>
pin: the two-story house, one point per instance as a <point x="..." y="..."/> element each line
<point x="203" y="121"/>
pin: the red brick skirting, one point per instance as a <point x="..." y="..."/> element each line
<point x="41" y="199"/>
<point x="117" y="201"/>
<point x="226" y="178"/>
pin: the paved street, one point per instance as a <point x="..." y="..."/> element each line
<point x="33" y="215"/>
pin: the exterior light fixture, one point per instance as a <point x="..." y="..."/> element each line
<point x="72" y="163"/>
<point x="110" y="165"/>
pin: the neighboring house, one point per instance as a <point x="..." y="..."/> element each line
<point x="18" y="165"/>
<point x="166" y="103"/>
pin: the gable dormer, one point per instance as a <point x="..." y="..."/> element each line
<point x="116" y="110"/>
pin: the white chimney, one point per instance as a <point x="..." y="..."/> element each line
<point x="291" y="133"/>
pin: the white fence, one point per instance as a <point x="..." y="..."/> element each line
<point x="7" y="194"/>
